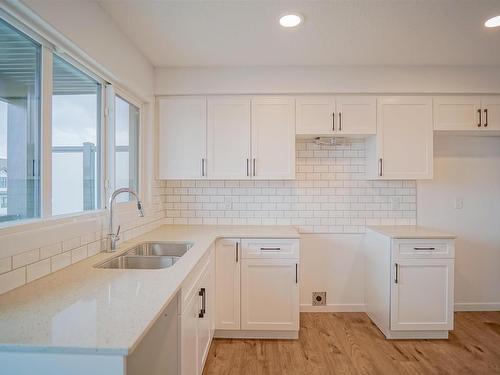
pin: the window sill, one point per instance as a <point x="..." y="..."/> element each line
<point x="17" y="226"/>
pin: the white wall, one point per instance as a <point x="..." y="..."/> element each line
<point x="88" y="26"/>
<point x="467" y="168"/>
<point x="332" y="263"/>
<point x="275" y="80"/>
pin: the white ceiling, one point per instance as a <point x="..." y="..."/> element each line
<point x="335" y="32"/>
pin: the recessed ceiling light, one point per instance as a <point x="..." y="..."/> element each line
<point x="291" y="20"/>
<point x="493" y="22"/>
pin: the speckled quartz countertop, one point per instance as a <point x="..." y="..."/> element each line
<point x="409" y="231"/>
<point x="82" y="309"/>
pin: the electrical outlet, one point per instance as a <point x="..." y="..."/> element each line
<point x="319" y="298"/>
<point x="459" y="203"/>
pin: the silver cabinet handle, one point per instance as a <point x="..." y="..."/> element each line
<point x="333" y="121"/>
<point x="203" y="167"/>
<point x="254" y="167"/>
<point x="248" y="167"/>
<point x="396" y="273"/>
<point x="486" y="118"/>
<point x="270" y="249"/>
<point x="424" y="248"/>
<point x="340" y="121"/>
<point x="480" y="118"/>
<point x="237" y="251"/>
<point x="380" y="167"/>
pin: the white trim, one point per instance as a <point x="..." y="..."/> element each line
<point x="46" y="133"/>
<point x="16" y="226"/>
<point x="113" y="92"/>
<point x="339" y="307"/>
<point x="485" y="306"/>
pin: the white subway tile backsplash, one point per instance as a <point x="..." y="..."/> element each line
<point x="71" y="243"/>
<point x="36" y="270"/>
<point x="329" y="195"/>
<point x="12" y="279"/>
<point x="60" y="261"/>
<point x="5" y="264"/>
<point x="25" y="258"/>
<point x="50" y="250"/>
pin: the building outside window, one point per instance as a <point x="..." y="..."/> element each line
<point x="20" y="63"/>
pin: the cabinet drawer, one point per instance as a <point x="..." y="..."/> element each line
<point x="424" y="248"/>
<point x="269" y="248"/>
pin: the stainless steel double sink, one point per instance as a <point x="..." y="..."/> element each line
<point x="148" y="255"/>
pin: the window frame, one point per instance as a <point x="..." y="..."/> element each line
<point x="51" y="43"/>
<point x="38" y="147"/>
<point x="112" y="92"/>
<point x="101" y="138"/>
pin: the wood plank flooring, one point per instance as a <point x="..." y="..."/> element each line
<point x="348" y="343"/>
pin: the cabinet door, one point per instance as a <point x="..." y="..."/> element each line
<point x="228" y="138"/>
<point x="422" y="294"/>
<point x="315" y="115"/>
<point x="491" y="112"/>
<point x="273" y="138"/>
<point x="456" y="112"/>
<point x="227" y="284"/>
<point x="204" y="320"/>
<point x="404" y="137"/>
<point x="182" y="137"/>
<point x="269" y="294"/>
<point x="357" y="115"/>
<point x="189" y="339"/>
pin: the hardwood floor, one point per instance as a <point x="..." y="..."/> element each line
<point x="348" y="343"/>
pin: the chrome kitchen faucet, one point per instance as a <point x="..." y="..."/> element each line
<point x="114" y="237"/>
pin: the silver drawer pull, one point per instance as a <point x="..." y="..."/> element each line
<point x="270" y="249"/>
<point x="424" y="248"/>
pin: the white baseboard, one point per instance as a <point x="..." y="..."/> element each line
<point x="333" y="308"/>
<point x="242" y="334"/>
<point x="489" y="306"/>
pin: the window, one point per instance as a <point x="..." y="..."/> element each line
<point x="74" y="132"/>
<point x="76" y="124"/>
<point x="19" y="125"/>
<point x="126" y="145"/>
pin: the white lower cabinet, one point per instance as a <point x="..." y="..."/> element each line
<point x="227" y="284"/>
<point x="197" y="318"/>
<point x="257" y="288"/>
<point x="422" y="295"/>
<point x="269" y="294"/>
<point x="409" y="285"/>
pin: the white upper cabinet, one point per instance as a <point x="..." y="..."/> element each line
<point x="357" y="115"/>
<point x="403" y="146"/>
<point x="228" y="138"/>
<point x="315" y="115"/>
<point x="182" y="123"/>
<point x="273" y="138"/>
<point x="457" y="113"/>
<point x="491" y="112"/>
<point x="341" y="116"/>
<point x="467" y="113"/>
